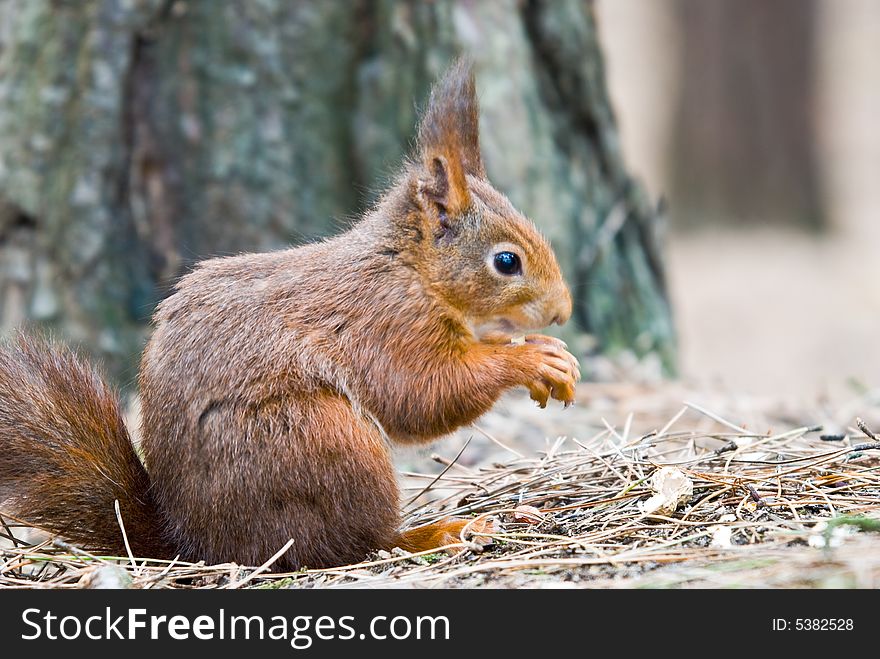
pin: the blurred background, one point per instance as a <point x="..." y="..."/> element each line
<point x="760" y="122"/>
<point x="707" y="169"/>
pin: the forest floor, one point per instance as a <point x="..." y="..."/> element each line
<point x="763" y="479"/>
<point x="754" y="493"/>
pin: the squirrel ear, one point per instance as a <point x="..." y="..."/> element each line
<point x="444" y="185"/>
<point x="449" y="138"/>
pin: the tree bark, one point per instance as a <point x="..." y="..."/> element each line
<point x="138" y="137"/>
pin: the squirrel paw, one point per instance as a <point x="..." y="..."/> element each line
<point x="554" y="370"/>
<point x="448" y="531"/>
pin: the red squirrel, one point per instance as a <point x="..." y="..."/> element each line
<point x="274" y="384"/>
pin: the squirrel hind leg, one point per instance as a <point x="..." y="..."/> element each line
<point x="446" y="534"/>
<point x="306" y="468"/>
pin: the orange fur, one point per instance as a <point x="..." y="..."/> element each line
<point x="447" y="531"/>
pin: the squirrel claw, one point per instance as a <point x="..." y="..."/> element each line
<point x="550" y="372"/>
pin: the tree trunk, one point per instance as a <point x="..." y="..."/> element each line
<point x="138" y="137"/>
<point x="744" y="142"/>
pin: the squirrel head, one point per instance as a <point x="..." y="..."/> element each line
<point x="476" y="251"/>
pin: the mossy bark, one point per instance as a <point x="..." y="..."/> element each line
<point x="137" y="136"/>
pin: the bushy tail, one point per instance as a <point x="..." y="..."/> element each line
<point x="66" y="457"/>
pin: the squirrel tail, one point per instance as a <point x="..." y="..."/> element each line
<point x="66" y="456"/>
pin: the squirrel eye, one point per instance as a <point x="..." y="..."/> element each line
<point x="507" y="263"/>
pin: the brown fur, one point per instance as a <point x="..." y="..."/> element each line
<point x="65" y="456"/>
<point x="273" y="382"/>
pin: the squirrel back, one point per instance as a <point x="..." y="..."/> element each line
<point x="274" y="384"/>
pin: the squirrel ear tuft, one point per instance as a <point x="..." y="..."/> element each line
<point x="449" y="137"/>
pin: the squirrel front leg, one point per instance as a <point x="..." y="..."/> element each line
<point x="415" y="401"/>
<point x="432" y="405"/>
<point x="542" y="364"/>
<point x="541" y="388"/>
<point x="547" y="369"/>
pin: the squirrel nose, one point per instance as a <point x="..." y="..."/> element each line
<point x="562" y="308"/>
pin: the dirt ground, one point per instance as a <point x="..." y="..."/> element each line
<point x="777" y="313"/>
